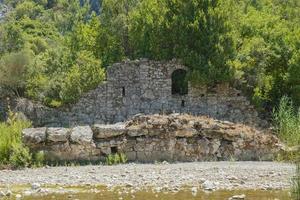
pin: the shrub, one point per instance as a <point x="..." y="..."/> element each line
<point x="12" y="151"/>
<point x="20" y="156"/>
<point x="114" y="159"/>
<point x="287" y="122"/>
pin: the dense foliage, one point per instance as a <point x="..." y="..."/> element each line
<point x="55" y="50"/>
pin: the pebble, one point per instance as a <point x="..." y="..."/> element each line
<point x="161" y="177"/>
<point x="232" y="178"/>
<point x="27" y="193"/>
<point x="208" y="185"/>
<point x="8" y="193"/>
<point x="35" y="186"/>
<point x="194" y="191"/>
<point x="238" y="197"/>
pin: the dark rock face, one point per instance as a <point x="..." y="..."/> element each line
<point x="149" y="138"/>
<point x="143" y="86"/>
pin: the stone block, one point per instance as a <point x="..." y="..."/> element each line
<point x="34" y="136"/>
<point x="58" y="134"/>
<point x="131" y="155"/>
<point x="136" y="132"/>
<point x="108" y="131"/>
<point x="81" y="135"/>
<point x="186" y="132"/>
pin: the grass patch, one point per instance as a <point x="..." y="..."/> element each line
<point x="115" y="159"/>
<point x="287" y="122"/>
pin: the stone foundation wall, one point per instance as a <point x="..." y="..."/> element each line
<point x="156" y="138"/>
<point x="143" y="86"/>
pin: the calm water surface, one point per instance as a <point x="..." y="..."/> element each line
<point x="182" y="195"/>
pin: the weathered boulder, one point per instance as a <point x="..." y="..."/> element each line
<point x="108" y="131"/>
<point x="58" y="134"/>
<point x="34" y="136"/>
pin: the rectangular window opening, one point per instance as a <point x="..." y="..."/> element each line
<point x="123" y="91"/>
<point x="183" y="103"/>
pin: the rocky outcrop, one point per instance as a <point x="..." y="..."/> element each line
<point x="148" y="138"/>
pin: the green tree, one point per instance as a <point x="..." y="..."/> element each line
<point x="28" y="9"/>
<point x="195" y="31"/>
<point x="92" y="36"/>
<point x="11" y="38"/>
<point x="294" y="78"/>
<point x="115" y="19"/>
<point x="83" y="76"/>
<point x="263" y="38"/>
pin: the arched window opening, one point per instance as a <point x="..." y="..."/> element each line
<point x="179" y="82"/>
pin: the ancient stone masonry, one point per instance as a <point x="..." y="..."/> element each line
<point x="144" y="86"/>
<point x="152" y="138"/>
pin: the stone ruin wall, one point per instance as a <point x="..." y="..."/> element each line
<point x="143" y="86"/>
<point x="149" y="138"/>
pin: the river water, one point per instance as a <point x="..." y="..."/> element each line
<point x="181" y="195"/>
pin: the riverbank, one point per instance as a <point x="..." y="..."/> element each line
<point x="164" y="176"/>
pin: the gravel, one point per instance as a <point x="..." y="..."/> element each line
<point x="205" y="175"/>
